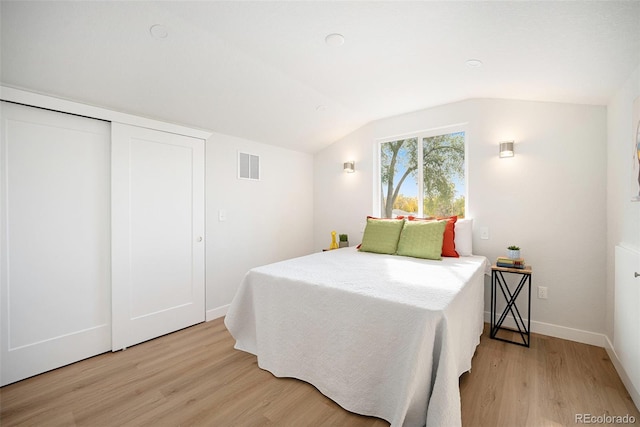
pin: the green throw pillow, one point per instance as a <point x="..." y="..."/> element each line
<point x="422" y="239"/>
<point x="381" y="235"/>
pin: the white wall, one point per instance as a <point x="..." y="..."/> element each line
<point x="549" y="199"/>
<point x="267" y="220"/>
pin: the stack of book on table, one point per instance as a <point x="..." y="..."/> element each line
<point x="510" y="263"/>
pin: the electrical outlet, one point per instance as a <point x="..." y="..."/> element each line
<point x="542" y="292"/>
<point x="484" y="233"/>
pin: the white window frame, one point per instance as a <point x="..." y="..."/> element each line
<point x="420" y="135"/>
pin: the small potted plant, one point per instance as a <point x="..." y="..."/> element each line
<point x="344" y="241"/>
<point x="513" y="252"/>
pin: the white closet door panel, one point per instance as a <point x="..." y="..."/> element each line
<point x="55" y="263"/>
<point x="626" y="333"/>
<point x="158" y="232"/>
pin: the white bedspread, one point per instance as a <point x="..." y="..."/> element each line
<point x="380" y="335"/>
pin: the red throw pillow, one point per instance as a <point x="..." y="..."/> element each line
<point x="448" y="242"/>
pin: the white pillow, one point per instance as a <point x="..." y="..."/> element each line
<point x="464" y="237"/>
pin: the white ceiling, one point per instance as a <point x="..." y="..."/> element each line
<point x="261" y="70"/>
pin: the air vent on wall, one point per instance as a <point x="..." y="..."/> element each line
<point x="248" y="166"/>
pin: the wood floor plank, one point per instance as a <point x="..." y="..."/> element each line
<point x="195" y="377"/>
<point x="544" y="385"/>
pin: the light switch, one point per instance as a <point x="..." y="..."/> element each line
<point x="484" y="233"/>
<point x="222" y="215"/>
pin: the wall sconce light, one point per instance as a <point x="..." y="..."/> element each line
<point x="350" y="167"/>
<point x="506" y="149"/>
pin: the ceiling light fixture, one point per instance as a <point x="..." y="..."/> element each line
<point x="159" y="31"/>
<point x="473" y="63"/>
<point x="334" y="39"/>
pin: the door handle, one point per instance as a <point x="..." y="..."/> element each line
<point x="199" y="239"/>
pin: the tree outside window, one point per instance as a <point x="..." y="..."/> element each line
<point x="426" y="179"/>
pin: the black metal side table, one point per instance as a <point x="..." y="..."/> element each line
<point x="498" y="282"/>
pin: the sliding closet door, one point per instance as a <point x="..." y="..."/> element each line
<point x="55" y="294"/>
<point x="158" y="232"/>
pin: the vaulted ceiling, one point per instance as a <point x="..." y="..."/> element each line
<point x="263" y="70"/>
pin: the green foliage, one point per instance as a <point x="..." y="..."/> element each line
<point x="343" y="237"/>
<point x="444" y="206"/>
<point x="513" y="248"/>
<point x="406" y="204"/>
<point x="443" y="160"/>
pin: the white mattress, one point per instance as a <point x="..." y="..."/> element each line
<point x="381" y="335"/>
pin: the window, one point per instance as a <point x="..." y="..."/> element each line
<point x="423" y="175"/>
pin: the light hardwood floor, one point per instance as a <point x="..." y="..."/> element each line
<point x="195" y="377"/>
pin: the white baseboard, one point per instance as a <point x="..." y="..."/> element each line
<point x="633" y="392"/>
<point x="217" y="312"/>
<point x="571" y="334"/>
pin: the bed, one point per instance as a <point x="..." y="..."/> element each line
<point x="381" y="335"/>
